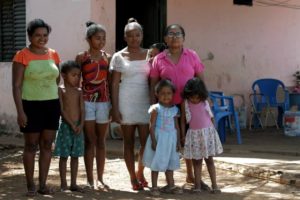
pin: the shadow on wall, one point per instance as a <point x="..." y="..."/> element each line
<point x="8" y="124"/>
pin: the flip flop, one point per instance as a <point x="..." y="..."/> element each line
<point x="77" y="189"/>
<point x="31" y="193"/>
<point x="137" y="186"/>
<point x="46" y="191"/>
<point x="215" y="191"/>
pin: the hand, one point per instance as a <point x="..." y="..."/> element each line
<point x="116" y="116"/>
<point x="153" y="145"/>
<point x="78" y="129"/>
<point x="178" y="147"/>
<point x="22" y="120"/>
<point x="182" y="140"/>
<point x="74" y="128"/>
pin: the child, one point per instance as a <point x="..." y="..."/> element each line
<point x="202" y="140"/>
<point x="95" y="87"/>
<point x="155" y="49"/>
<point x="161" y="151"/>
<point x="69" y="140"/>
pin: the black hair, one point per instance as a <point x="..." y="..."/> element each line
<point x="195" y="87"/>
<point x="174" y="26"/>
<point x="67" y="66"/>
<point x="37" y="23"/>
<point x="132" y="23"/>
<point x="160" y="46"/>
<point x="93" y="28"/>
<point x="164" y="83"/>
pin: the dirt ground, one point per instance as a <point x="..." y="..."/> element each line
<point x="234" y="186"/>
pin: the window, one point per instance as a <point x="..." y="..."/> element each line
<point x="12" y="28"/>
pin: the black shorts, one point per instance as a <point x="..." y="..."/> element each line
<point x="41" y="115"/>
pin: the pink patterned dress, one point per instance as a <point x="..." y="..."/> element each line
<point x="202" y="139"/>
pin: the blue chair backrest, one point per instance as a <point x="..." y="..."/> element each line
<point x="268" y="87"/>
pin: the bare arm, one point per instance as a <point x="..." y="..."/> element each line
<point x="82" y="112"/>
<point x="65" y="115"/>
<point x="200" y="75"/>
<point x="17" y="82"/>
<point x="153" y="82"/>
<point x="182" y="123"/>
<point x="116" y="77"/>
<point x="177" y="133"/>
<point x="153" y="117"/>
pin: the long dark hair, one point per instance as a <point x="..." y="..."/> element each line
<point x="195" y="87"/>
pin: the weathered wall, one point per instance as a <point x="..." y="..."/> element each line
<point x="247" y="42"/>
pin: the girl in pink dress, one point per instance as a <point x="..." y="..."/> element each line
<point x="202" y="140"/>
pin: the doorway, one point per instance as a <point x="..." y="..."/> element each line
<point x="150" y="14"/>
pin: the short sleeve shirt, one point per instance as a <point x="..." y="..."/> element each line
<point x="40" y="74"/>
<point x="187" y="67"/>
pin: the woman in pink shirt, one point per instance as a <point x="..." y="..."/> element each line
<point x="179" y="65"/>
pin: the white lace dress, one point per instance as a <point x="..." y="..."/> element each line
<point x="134" y="100"/>
<point x="202" y="139"/>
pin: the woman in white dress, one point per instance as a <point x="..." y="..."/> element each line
<point x="130" y="98"/>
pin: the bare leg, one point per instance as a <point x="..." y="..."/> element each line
<point x="170" y="178"/>
<point x="30" y="148"/>
<point x="212" y="171"/>
<point x="89" y="149"/>
<point x="46" y="139"/>
<point x="189" y="171"/>
<point x="154" y="177"/>
<point x="143" y="135"/>
<point x="197" y="164"/>
<point x="63" y="172"/>
<point x="128" y="141"/>
<point x="101" y="132"/>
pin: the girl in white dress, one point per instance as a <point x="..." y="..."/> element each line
<point x="161" y="151"/>
<point x="202" y="140"/>
<point x="130" y="98"/>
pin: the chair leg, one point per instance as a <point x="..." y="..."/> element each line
<point x="221" y="129"/>
<point x="238" y="130"/>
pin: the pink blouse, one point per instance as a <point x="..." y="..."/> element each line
<point x="187" y="67"/>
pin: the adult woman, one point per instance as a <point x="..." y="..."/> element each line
<point x="95" y="85"/>
<point x="177" y="64"/>
<point x="130" y="97"/>
<point x="35" y="78"/>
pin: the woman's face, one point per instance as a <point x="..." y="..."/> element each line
<point x="134" y="38"/>
<point x="39" y="38"/>
<point x="174" y="38"/>
<point x="98" y="40"/>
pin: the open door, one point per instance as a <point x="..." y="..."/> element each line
<point x="150" y="14"/>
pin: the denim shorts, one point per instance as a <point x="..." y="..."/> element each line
<point x="98" y="111"/>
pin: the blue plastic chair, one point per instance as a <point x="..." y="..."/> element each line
<point x="223" y="109"/>
<point x="265" y="97"/>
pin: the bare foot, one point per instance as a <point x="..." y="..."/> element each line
<point x="76" y="188"/>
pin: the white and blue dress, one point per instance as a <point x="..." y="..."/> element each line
<point x="165" y="157"/>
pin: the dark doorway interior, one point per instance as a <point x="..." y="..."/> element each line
<point x="150" y="14"/>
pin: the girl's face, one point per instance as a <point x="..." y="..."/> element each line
<point x="195" y="99"/>
<point x="153" y="52"/>
<point x="98" y="40"/>
<point x="165" y="96"/>
<point x="174" y="38"/>
<point x="72" y="77"/>
<point x="134" y="38"/>
<point x="39" y="38"/>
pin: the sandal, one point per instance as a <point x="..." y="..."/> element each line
<point x="45" y="191"/>
<point x="155" y="191"/>
<point x="102" y="186"/>
<point x="76" y="188"/>
<point x="137" y="186"/>
<point x="171" y="190"/>
<point x="144" y="182"/>
<point x="205" y="187"/>
<point x="215" y="191"/>
<point x="31" y="193"/>
<point x="196" y="190"/>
